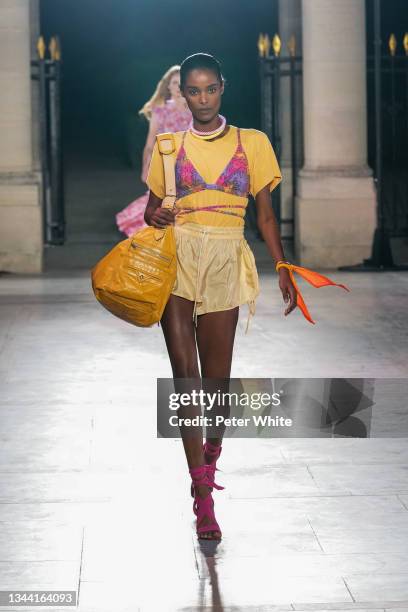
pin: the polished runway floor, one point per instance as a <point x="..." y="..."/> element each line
<point x="92" y="501"/>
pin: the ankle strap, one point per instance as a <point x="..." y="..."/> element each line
<point x="212" y="449"/>
<point x="199" y="476"/>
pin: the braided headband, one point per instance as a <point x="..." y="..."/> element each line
<point x="314" y="278"/>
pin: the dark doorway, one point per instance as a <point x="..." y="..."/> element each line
<point x="394" y="117"/>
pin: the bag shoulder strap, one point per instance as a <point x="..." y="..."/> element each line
<point x="167" y="147"/>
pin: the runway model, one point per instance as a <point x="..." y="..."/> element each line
<point x="166" y="111"/>
<point x="217" y="166"/>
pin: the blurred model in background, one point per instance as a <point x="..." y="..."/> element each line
<point x="166" y="111"/>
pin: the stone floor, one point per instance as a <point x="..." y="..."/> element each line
<point x="92" y="501"/>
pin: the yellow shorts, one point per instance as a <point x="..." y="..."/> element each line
<point x="216" y="268"/>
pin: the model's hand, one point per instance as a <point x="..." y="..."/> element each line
<point x="143" y="176"/>
<point x="288" y="290"/>
<point x="162" y="217"/>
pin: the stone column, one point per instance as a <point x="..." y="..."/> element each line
<point x="35" y="86"/>
<point x="20" y="210"/>
<point x="290" y="24"/>
<point x="335" y="214"/>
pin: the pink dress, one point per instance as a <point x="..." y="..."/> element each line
<point x="169" y="119"/>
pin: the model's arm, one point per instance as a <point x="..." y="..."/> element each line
<point x="268" y="226"/>
<point x="147" y="151"/>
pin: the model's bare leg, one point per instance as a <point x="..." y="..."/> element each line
<point x="215" y="342"/>
<point x="179" y="333"/>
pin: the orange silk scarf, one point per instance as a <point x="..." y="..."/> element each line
<point x="314" y="278"/>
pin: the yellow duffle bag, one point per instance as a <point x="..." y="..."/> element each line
<point x="134" y="280"/>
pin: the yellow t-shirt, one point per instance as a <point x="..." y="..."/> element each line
<point x="210" y="159"/>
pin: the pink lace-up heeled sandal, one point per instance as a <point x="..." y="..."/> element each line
<point x="214" y="452"/>
<point x="204" y="506"/>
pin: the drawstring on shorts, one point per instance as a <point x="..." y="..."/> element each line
<point x="251" y="312"/>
